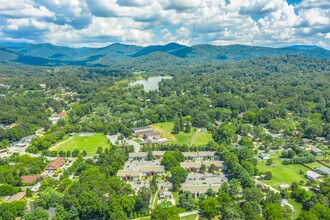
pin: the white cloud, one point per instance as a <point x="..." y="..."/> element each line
<point x="23" y="9"/>
<point x="96" y="22"/>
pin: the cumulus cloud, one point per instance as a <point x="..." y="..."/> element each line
<point x="99" y="22"/>
<point x="71" y="12"/>
<point x="134" y="3"/>
<point x="23" y="9"/>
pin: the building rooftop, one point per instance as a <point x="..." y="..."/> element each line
<point x="141" y="128"/>
<point x="55" y="164"/>
<point x="191" y="164"/>
<point x="200" y="188"/>
<point x="312" y="174"/>
<point x="31" y="179"/>
<point x="207" y="153"/>
<point x="190" y="154"/>
<point x="158" y="153"/>
<point x="215" y="162"/>
<point x="153" y="169"/>
<point x="323" y="170"/>
<point x="316" y="150"/>
<point x="138" y="154"/>
<point x="151" y="133"/>
<point x="17" y="197"/>
<point x="123" y="173"/>
<point x="208" y="178"/>
<point x="137" y="165"/>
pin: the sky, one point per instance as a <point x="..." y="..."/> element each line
<point x="97" y="23"/>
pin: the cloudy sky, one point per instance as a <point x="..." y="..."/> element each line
<point x="97" y="23"/>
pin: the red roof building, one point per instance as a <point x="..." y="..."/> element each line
<point x="57" y="163"/>
<point x="32" y="179"/>
<point x="60" y="115"/>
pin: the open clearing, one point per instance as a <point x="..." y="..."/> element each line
<point x="202" y="138"/>
<point x="189" y="217"/>
<point x="282" y="174"/>
<point x="165" y="128"/>
<point x="87" y="143"/>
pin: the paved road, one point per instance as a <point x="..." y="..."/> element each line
<point x="113" y="139"/>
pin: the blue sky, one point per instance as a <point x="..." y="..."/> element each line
<point x="96" y="23"/>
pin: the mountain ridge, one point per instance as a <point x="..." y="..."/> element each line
<point x="122" y="54"/>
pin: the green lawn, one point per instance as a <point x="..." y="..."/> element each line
<point x="314" y="164"/>
<point x="202" y="138"/>
<point x="189" y="217"/>
<point x="282" y="173"/>
<point x="165" y="128"/>
<point x="154" y="200"/>
<point x="87" y="143"/>
<point x="176" y="197"/>
<point x="297" y="208"/>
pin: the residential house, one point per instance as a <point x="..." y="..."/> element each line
<point x="151" y="135"/>
<point x="312" y="175"/>
<point x="284" y="186"/>
<point x="152" y="170"/>
<point x="323" y="171"/>
<point x="208" y="155"/>
<point x="166" y="195"/>
<point x="264" y="156"/>
<point x="217" y="123"/>
<point x="218" y="164"/>
<point x="127" y="175"/>
<point x="320" y="139"/>
<point x="197" y="189"/>
<point x="191" y="166"/>
<point x="17" y="197"/>
<point x="149" y="141"/>
<point x="316" y="151"/>
<point x="163" y="141"/>
<point x="137" y="156"/>
<point x="158" y="154"/>
<point x="54" y="165"/>
<point x="32" y="178"/>
<point x="191" y="155"/>
<point x="159" y="141"/>
<point x="141" y="130"/>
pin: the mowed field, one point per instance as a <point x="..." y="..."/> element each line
<point x="165" y="128"/>
<point x="87" y="143"/>
<point x="282" y="174"/>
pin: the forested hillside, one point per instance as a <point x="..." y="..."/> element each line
<point x="130" y="55"/>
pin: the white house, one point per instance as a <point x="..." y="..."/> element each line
<point x="312" y="175"/>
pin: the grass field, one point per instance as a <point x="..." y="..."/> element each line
<point x="297" y="208"/>
<point x="176" y="197"/>
<point x="87" y="143"/>
<point x="282" y="174"/>
<point x="189" y="217"/>
<point x="165" y="128"/>
<point x="154" y="200"/>
<point x="202" y="138"/>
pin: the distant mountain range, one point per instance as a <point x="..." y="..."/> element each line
<point x="131" y="55"/>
